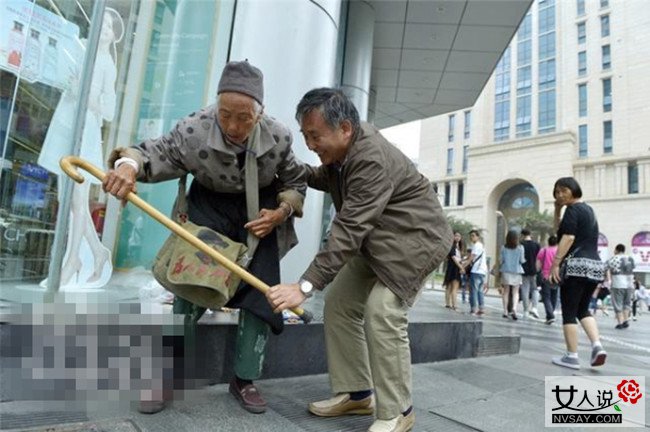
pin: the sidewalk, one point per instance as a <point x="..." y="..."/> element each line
<point x="504" y="393"/>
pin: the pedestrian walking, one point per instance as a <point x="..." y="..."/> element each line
<point x="621" y="280"/>
<point x="511" y="258"/>
<point x="454" y="271"/>
<point x="582" y="270"/>
<point x="544" y="262"/>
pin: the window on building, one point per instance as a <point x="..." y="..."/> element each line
<point x="604" y="4"/>
<point x="546" y="19"/>
<point x="524" y="52"/>
<point x="450" y="161"/>
<point x="525" y="28"/>
<point x="524" y="80"/>
<point x="633" y="178"/>
<point x="546" y="111"/>
<point x="607" y="57"/>
<point x="502" y="98"/>
<point x="460" y="194"/>
<point x="468" y="124"/>
<point x="604" y="25"/>
<point x="523" y="116"/>
<point x="547" y="46"/>
<point x="583" y="146"/>
<point x="447" y="194"/>
<point x="607" y="94"/>
<point x="465" y="158"/>
<point x="582" y="100"/>
<point x="582" y="33"/>
<point x="452" y="125"/>
<point x="581" y="7"/>
<point x="502" y="120"/>
<point x="547" y="74"/>
<point x="582" y="63"/>
<point x="607" y="137"/>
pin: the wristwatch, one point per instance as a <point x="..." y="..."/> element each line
<point x="306" y="287"/>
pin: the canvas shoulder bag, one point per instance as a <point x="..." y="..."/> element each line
<point x="191" y="274"/>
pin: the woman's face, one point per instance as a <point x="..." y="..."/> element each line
<point x="457" y="237"/>
<point x="107" y="34"/>
<point x="563" y="195"/>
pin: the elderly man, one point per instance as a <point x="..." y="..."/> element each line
<point x="389" y="233"/>
<point x="221" y="146"/>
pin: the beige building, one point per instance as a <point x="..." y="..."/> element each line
<point x="569" y="97"/>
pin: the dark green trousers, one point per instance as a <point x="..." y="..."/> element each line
<point x="250" y="344"/>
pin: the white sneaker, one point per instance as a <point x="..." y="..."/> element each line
<point x="533" y="312"/>
<point x="397" y="424"/>
<point x="566" y="361"/>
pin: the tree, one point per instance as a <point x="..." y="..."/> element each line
<point x="540" y="224"/>
<point x="462" y="226"/>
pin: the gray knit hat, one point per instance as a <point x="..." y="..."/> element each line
<point x="242" y="77"/>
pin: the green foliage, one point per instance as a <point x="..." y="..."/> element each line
<point x="540" y="224"/>
<point x="462" y="226"/>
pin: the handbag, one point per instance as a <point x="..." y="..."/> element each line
<point x="191" y="274"/>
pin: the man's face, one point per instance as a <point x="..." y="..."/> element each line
<point x="330" y="144"/>
<point x="473" y="237"/>
<point x="236" y="116"/>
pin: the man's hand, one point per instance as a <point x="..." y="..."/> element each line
<point x="284" y="296"/>
<point x="265" y="222"/>
<point x="119" y="182"/>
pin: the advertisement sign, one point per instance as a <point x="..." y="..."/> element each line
<point x="37" y="44"/>
<point x="641" y="252"/>
<point x="603" y="243"/>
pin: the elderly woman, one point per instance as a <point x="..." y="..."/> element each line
<point x="578" y="236"/>
<point x="221" y="145"/>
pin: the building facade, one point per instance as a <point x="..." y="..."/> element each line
<point x="567" y="98"/>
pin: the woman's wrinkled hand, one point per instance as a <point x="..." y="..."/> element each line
<point x="119" y="182"/>
<point x="265" y="222"/>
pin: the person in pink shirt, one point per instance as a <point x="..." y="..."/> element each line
<point x="549" y="289"/>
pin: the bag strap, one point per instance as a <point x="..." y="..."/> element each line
<point x="252" y="187"/>
<point x="179" y="211"/>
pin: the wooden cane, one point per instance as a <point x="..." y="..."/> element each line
<point x="69" y="164"/>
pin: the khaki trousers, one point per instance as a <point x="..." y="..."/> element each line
<point x="366" y="339"/>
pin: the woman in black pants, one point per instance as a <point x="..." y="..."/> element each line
<point x="578" y="236"/>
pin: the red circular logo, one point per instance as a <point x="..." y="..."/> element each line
<point x="629" y="391"/>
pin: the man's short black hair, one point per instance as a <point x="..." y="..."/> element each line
<point x="333" y="104"/>
<point x="619" y="248"/>
<point x="475" y="232"/>
<point x="525" y="232"/>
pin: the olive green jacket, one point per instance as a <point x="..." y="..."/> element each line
<point x="386" y="211"/>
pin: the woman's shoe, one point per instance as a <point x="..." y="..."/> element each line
<point x="102" y="271"/>
<point x="68" y="272"/>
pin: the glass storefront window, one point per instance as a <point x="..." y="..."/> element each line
<point x="155" y="62"/>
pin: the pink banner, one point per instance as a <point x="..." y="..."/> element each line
<point x="603" y="243"/>
<point x="641" y="252"/>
